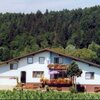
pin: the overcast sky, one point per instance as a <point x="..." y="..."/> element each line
<point x="28" y="6"/>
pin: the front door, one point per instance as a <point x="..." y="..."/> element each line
<point x="23" y="77"/>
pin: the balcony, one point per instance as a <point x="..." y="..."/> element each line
<point x="58" y="76"/>
<point x="60" y="82"/>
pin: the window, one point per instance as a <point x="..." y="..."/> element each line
<point x="58" y="60"/>
<point x="41" y="60"/>
<point x="89" y="75"/>
<point x="29" y="60"/>
<point x="38" y="74"/>
<point x="13" y="66"/>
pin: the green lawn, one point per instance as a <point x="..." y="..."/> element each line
<point x="37" y="95"/>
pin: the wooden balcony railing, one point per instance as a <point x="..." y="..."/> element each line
<point x="57" y="82"/>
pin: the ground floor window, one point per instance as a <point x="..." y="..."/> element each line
<point x="89" y="75"/>
<point x="38" y="74"/>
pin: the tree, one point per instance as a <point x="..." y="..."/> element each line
<point x="70" y="48"/>
<point x="74" y="71"/>
<point x="30" y="32"/>
<point x="84" y="53"/>
<point x="4" y="51"/>
<point x="95" y="48"/>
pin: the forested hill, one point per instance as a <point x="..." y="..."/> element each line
<point x="76" y="32"/>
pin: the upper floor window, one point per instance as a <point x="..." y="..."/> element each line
<point x="29" y="60"/>
<point x="58" y="60"/>
<point x="89" y="75"/>
<point x="13" y="66"/>
<point x="41" y="60"/>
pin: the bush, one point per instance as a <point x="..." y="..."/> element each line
<point x="47" y="87"/>
<point x="72" y="89"/>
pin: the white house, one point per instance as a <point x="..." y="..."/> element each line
<point x="31" y="67"/>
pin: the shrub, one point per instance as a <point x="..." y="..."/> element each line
<point x="46" y="87"/>
<point x="72" y="89"/>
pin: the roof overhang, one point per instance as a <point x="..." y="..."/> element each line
<point x="49" y="50"/>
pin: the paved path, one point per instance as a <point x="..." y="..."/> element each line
<point x="5" y="87"/>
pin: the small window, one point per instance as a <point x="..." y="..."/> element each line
<point x="58" y="60"/>
<point x="13" y="66"/>
<point x="29" y="60"/>
<point x="89" y="75"/>
<point x="38" y="74"/>
<point x="41" y="60"/>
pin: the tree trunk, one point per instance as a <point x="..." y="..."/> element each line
<point x="72" y="78"/>
<point x="74" y="81"/>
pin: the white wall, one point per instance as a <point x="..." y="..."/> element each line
<point x="87" y="68"/>
<point x="6" y="74"/>
<point x="8" y="81"/>
<point x="29" y="68"/>
<point x="5" y="71"/>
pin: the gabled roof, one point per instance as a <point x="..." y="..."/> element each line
<point x="46" y="49"/>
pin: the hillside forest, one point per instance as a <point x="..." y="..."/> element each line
<point x="72" y="32"/>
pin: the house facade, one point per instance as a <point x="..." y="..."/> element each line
<point x="34" y="66"/>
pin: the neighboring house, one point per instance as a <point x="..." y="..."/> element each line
<point x="32" y="67"/>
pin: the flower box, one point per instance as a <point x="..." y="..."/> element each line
<point x="59" y="81"/>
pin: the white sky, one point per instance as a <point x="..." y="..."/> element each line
<point x="28" y="6"/>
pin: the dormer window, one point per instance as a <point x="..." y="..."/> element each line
<point x="13" y="66"/>
<point x="58" y="60"/>
<point x="30" y="60"/>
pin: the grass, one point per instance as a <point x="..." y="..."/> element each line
<point x="52" y="95"/>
